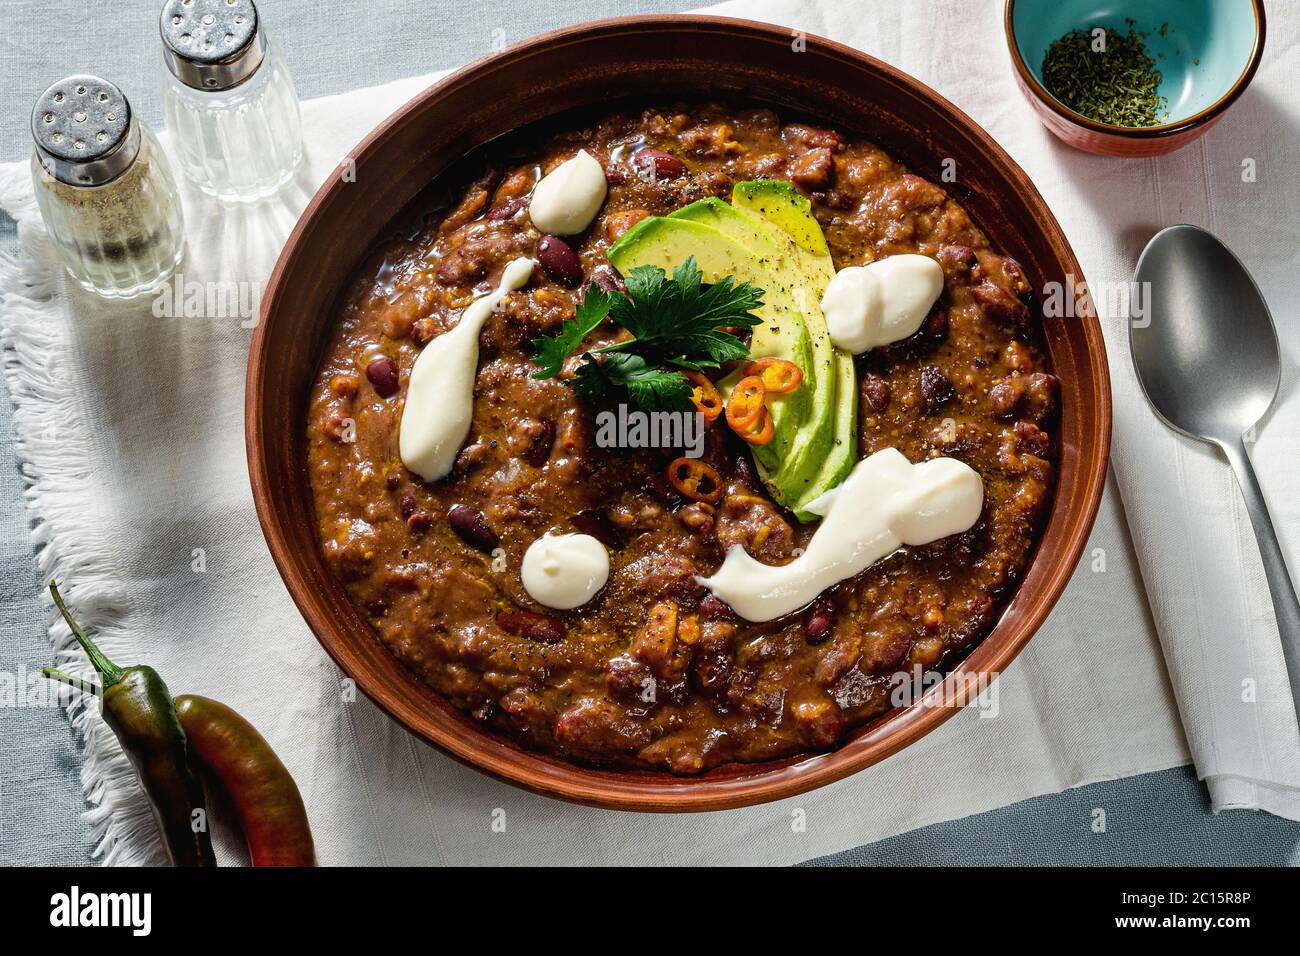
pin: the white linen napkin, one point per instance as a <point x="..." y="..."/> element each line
<point x="131" y="432"/>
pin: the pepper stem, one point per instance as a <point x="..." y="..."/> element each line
<point x="109" y="673"/>
<point x="54" y="673"/>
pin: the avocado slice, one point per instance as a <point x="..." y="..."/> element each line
<point x="792" y="266"/>
<point x="667" y="242"/>
<point x="780" y="205"/>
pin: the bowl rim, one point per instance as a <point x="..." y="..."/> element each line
<point x="1201" y="118"/>
<point x="890" y="732"/>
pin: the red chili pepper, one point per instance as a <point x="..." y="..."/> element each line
<point x="267" y="800"/>
<point x="706" y="398"/>
<point x="779" y="376"/>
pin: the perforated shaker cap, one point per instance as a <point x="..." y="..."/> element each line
<point x="84" y="131"/>
<point x="212" y="44"/>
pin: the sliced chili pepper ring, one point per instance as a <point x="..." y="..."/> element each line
<point x="695" y="479"/>
<point x="746" y="402"/>
<point x="759" y="432"/>
<point x="705" y="397"/>
<point x="779" y="376"/>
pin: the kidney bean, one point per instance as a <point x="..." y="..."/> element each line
<point x="711" y="669"/>
<point x="630" y="681"/>
<point x="407" y="506"/>
<point x="818" y="626"/>
<point x="472" y="526"/>
<point x="559" y="260"/>
<point x="507" y="210"/>
<point x="540" y="451"/>
<point x="607" y="278"/>
<point x="935" y="387"/>
<point x="742" y="470"/>
<point x="535" y="627"/>
<point x="393" y="482"/>
<point x="935" y="326"/>
<point x="956" y="258"/>
<point x="598" y="525"/>
<point x="1001" y="306"/>
<point x="877" y="391"/>
<point x="655" y="162"/>
<point x="382" y="373"/>
<point x="713" y="606"/>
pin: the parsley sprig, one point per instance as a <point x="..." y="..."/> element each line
<point x="675" y="324"/>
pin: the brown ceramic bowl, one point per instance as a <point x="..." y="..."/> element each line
<point x="1207" y="52"/>
<point x="687" y="56"/>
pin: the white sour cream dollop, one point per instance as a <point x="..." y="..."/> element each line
<point x="882" y="302"/>
<point x="440" y="395"/>
<point x="568" y="197"/>
<point x="885" y="503"/>
<point x="564" y="571"/>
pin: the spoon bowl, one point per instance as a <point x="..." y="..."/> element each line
<point x="1207" y="353"/>
<point x="1208" y="359"/>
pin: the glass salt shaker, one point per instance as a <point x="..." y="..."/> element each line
<point x="228" y="99"/>
<point x="104" y="190"/>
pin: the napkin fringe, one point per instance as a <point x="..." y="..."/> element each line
<point x="53" y="443"/>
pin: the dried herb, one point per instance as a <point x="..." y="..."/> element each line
<point x="1111" y="80"/>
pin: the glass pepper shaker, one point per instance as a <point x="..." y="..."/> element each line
<point x="228" y="99"/>
<point x="104" y="190"/>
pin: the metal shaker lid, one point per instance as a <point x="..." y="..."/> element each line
<point x="84" y="132"/>
<point x="212" y="45"/>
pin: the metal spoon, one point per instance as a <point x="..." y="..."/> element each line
<point x="1208" y="360"/>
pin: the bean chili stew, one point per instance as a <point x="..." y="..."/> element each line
<point x="655" y="672"/>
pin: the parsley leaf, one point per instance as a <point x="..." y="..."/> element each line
<point x="675" y="323"/>
<point x="649" y="387"/>
<point x="553" y="350"/>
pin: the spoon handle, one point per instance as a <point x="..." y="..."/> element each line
<point x="1285" y="606"/>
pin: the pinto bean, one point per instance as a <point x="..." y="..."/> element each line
<point x="382" y="373"/>
<point x="472" y="526"/>
<point x="536" y="627"/>
<point x="657" y="165"/>
<point x="559" y="260"/>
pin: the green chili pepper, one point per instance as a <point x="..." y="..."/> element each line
<point x="138" y="707"/>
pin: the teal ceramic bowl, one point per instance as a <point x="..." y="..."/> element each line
<point x="1207" y="51"/>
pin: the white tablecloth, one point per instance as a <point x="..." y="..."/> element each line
<point x="131" y="428"/>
